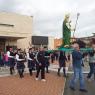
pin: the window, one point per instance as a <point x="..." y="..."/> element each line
<point x="6" y="25"/>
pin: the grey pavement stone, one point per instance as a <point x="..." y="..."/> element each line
<point x="90" y="86"/>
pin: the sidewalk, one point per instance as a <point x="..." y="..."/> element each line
<point x="13" y="85"/>
<point x="6" y="72"/>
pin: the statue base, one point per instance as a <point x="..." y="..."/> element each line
<point x="65" y="48"/>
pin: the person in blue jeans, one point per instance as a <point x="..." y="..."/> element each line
<point x="77" y="67"/>
<point x="91" y="65"/>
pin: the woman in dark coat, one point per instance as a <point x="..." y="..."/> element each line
<point x="62" y="63"/>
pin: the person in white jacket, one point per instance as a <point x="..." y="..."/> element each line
<point x="11" y="58"/>
<point x="31" y="60"/>
<point x="20" y="63"/>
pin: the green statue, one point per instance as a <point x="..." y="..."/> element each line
<point x="66" y="31"/>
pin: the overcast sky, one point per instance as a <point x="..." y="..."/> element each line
<point x="48" y="15"/>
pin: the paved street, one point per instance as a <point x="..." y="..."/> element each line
<point x="90" y="86"/>
<point x="13" y="85"/>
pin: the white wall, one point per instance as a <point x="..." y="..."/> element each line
<point x="51" y="43"/>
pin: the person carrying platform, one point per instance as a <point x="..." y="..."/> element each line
<point x="62" y="63"/>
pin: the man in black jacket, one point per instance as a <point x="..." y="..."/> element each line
<point x="40" y="58"/>
<point x="47" y="57"/>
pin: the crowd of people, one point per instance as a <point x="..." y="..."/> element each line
<point x="39" y="60"/>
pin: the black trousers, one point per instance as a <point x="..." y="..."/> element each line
<point x="47" y="65"/>
<point x="92" y="70"/>
<point x="11" y="70"/>
<point x="64" y="71"/>
<point x="47" y="69"/>
<point x="52" y="59"/>
<point x="42" y="69"/>
<point x="30" y="71"/>
<point x="20" y="71"/>
<point x="12" y="64"/>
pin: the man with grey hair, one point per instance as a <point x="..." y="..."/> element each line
<point x="77" y="67"/>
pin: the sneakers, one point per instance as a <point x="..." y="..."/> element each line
<point x="72" y="88"/>
<point x="36" y="79"/>
<point x="43" y="80"/>
<point x="83" y="90"/>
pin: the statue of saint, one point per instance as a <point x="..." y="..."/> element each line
<point x="66" y="31"/>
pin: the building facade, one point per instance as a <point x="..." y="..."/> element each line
<point x="15" y="30"/>
<point x="57" y="43"/>
<point x="88" y="40"/>
<point x="44" y="41"/>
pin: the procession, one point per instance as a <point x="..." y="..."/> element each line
<point x="34" y="60"/>
<point x="47" y="47"/>
<point x="39" y="59"/>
